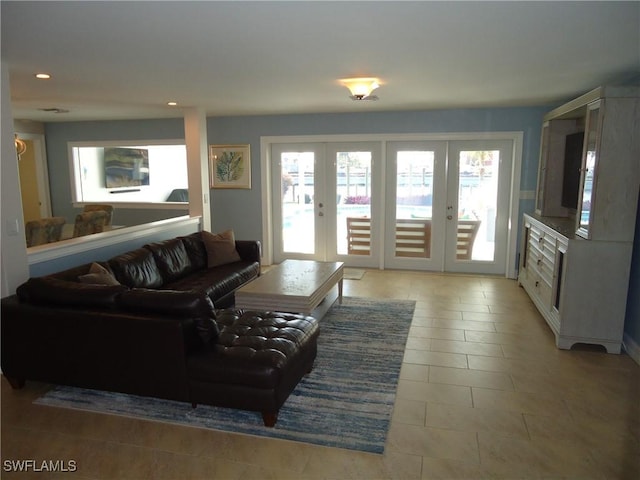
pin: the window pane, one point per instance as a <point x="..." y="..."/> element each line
<point x="414" y="197"/>
<point x="129" y="173"/>
<point x="298" y="227"/>
<point x="353" y="186"/>
<point x="477" y="204"/>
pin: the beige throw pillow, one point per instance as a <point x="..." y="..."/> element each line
<point x="221" y="248"/>
<point x="98" y="275"/>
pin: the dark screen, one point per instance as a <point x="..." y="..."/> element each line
<point x="572" y="165"/>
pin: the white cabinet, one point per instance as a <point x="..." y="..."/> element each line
<point x="576" y="251"/>
<point x="610" y="169"/>
<point x="579" y="286"/>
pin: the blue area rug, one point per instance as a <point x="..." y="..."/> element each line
<point x="345" y="402"/>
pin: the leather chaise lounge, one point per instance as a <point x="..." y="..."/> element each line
<point x="148" y="323"/>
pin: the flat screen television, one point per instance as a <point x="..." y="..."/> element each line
<point x="126" y="167"/>
<point x="572" y="165"/>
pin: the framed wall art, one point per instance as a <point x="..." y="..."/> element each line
<point x="230" y="166"/>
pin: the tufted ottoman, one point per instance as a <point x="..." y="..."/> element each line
<point x="258" y="360"/>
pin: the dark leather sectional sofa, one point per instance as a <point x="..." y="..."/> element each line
<point x="165" y="328"/>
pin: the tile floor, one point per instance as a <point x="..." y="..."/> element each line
<point x="483" y="393"/>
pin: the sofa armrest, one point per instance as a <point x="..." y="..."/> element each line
<point x="99" y="349"/>
<point x="249" y="250"/>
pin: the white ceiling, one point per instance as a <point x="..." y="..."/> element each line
<point x="120" y="60"/>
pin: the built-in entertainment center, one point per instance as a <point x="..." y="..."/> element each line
<point x="576" y="248"/>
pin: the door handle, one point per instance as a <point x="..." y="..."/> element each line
<point x="449" y="217"/>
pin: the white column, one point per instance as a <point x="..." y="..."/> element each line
<point x="14" y="266"/>
<point x="195" y="132"/>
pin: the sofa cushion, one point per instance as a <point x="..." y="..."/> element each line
<point x="221" y="248"/>
<point x="254" y="348"/>
<point x="195" y="249"/>
<point x="173" y="303"/>
<point x="137" y="269"/>
<point x="218" y="282"/>
<point x="98" y="275"/>
<point x="172" y="258"/>
<point x="52" y="291"/>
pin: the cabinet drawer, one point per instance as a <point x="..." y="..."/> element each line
<point x="542" y="241"/>
<point x="544" y="291"/>
<point x="541" y="260"/>
<point x="537" y="286"/>
<point x="542" y="254"/>
<point x="546" y="266"/>
<point x="535" y="233"/>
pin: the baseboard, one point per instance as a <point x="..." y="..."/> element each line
<point x="631" y="347"/>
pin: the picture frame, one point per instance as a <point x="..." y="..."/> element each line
<point x="230" y="166"/>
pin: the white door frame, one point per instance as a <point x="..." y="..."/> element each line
<point x="514" y="215"/>
<point x="319" y="153"/>
<point x="42" y="171"/>
<point x="435" y="262"/>
<point x="451" y="264"/>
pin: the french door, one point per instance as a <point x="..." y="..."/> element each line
<point x="317" y="188"/>
<point x="478" y="206"/>
<point x="448" y="208"/>
<point x="441" y="205"/>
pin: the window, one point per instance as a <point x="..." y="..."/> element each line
<point x="132" y="172"/>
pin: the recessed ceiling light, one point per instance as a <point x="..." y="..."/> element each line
<point x="172" y="104"/>
<point x="54" y="110"/>
<point x="43" y="76"/>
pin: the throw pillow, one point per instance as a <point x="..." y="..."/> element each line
<point x="98" y="275"/>
<point x="221" y="248"/>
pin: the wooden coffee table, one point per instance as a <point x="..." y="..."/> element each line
<point x="297" y="286"/>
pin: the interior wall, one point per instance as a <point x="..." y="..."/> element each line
<point x="248" y="130"/>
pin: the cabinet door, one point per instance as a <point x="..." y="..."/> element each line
<point x="542" y="168"/>
<point x="589" y="170"/>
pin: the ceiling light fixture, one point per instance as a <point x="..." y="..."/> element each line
<point x="172" y="104"/>
<point x="361" y="88"/>
<point x="43" y="76"/>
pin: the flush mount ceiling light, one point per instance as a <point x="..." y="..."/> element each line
<point x="361" y="88"/>
<point x="43" y="76"/>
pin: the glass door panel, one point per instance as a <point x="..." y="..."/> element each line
<point x="588" y="171"/>
<point x="353" y="220"/>
<point x="295" y="180"/>
<point x="478" y="205"/>
<point x="298" y="226"/>
<point x="353" y="199"/>
<point x="414" y="197"/>
<point x="415" y="205"/>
